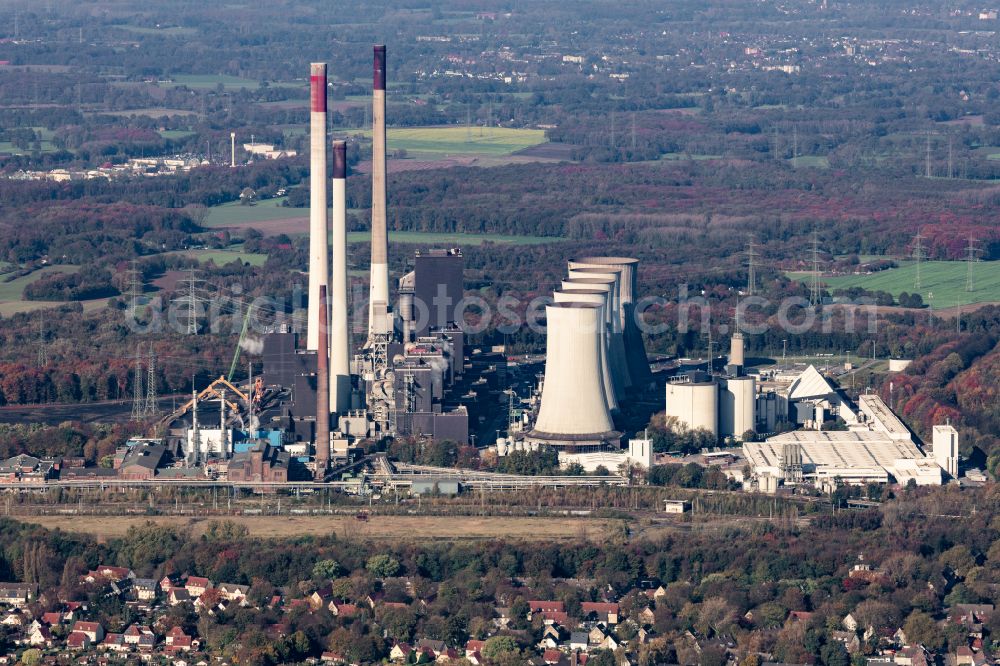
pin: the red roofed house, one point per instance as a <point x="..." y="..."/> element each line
<point x="605" y="612"/>
<point x="552" y="656"/>
<point x="78" y="640"/>
<point x="178" y="641"/>
<point x="92" y="630"/>
<point x="342" y="610"/>
<point x="52" y="618"/>
<point x="108" y="573"/>
<point x="196" y="586"/>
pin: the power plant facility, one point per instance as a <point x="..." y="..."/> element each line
<point x="320" y="407"/>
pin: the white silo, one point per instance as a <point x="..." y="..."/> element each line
<point x="615" y="343"/>
<point x="573" y="410"/>
<point x="694" y="404"/>
<point x="737" y="407"/>
<point x="596" y="297"/>
<point x="628" y="269"/>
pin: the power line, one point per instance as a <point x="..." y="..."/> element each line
<point x="927" y="157"/>
<point x="751" y="269"/>
<point x="918" y="255"/>
<point x="43" y="356"/>
<point x="138" y="404"/>
<point x="971" y="258"/>
<point x="814" y="292"/>
<point x="150" y="407"/>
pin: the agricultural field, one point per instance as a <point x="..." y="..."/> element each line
<point x="942" y="282"/>
<point x="458" y="140"/>
<point x="271" y="218"/>
<point x="208" y="81"/>
<point x="223" y="257"/>
<point x="236" y="214"/>
<point x="12" y="293"/>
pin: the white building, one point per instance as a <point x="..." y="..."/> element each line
<point x="945" y="448"/>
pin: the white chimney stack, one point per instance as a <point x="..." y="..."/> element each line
<point x="319" y="254"/>
<point x="340" y="371"/>
<point x="378" y="300"/>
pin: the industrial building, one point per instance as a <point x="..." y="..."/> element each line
<point x="872" y="446"/>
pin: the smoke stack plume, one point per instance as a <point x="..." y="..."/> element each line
<point x="379" y="290"/>
<point x="340" y="371"/>
<point x="322" y="393"/>
<point x="319" y="255"/>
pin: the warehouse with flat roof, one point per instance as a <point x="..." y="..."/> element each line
<point x="851" y="457"/>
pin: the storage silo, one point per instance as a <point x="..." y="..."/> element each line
<point x="694" y="404"/>
<point x="573" y="410"/>
<point x="737" y="407"/>
<point x="597" y="297"/>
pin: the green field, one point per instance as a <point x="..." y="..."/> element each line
<point x="817" y="161"/>
<point x="234" y="213"/>
<point x="438" y="141"/>
<point x="223" y="257"/>
<point x="456" y="239"/>
<point x="205" y="81"/>
<point x="942" y="282"/>
<point x="173" y="31"/>
<point x="175" y="134"/>
<point x="12" y="293"/>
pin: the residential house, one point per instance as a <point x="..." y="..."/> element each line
<point x="233" y="592"/>
<point x="115" y="643"/>
<point x="473" y="652"/>
<point x="51" y="619"/>
<point x="426" y="645"/>
<point x="798" y="616"/>
<point x="552" y="657"/>
<point x="848" y="639"/>
<point x="144" y="589"/>
<point x="93" y="630"/>
<point x="12" y="620"/>
<point x="400" y="652"/>
<point x="78" y="640"/>
<point x="104" y="573"/>
<point x="602" y="612"/>
<point x="914" y="655"/>
<point x="340" y="609"/>
<point x="849" y="623"/>
<point x="196" y="586"/>
<point x="178" y="595"/>
<point x="579" y="641"/>
<point x="169" y="582"/>
<point x="39" y="636"/>
<point x="964" y="656"/>
<point x="17" y="595"/>
<point x="647" y="616"/>
<point x="177" y="641"/>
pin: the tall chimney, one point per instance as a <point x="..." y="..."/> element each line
<point x="340" y="371"/>
<point x="379" y="290"/>
<point x="322" y="392"/>
<point x="319" y="254"/>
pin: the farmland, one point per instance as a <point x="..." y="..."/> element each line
<point x="12" y="293"/>
<point x="942" y="282"/>
<point x="456" y="140"/>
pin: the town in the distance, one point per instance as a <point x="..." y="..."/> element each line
<point x="497" y="334"/>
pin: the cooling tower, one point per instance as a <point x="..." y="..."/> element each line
<point x="694" y="404"/>
<point x="574" y="410"/>
<point x="319" y="258"/>
<point x="615" y="344"/>
<point x="322" y="392"/>
<point x="596" y="297"/>
<point x="340" y="370"/>
<point x="638" y="364"/>
<point x="612" y="277"/>
<point x="378" y="299"/>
